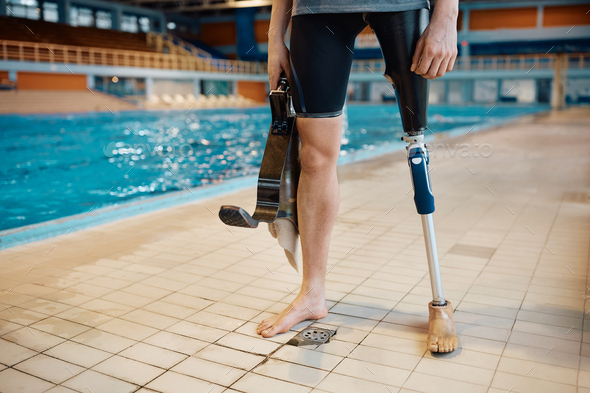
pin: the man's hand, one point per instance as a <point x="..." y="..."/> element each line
<point x="278" y="60"/>
<point x="436" y="49"/>
<point x="278" y="54"/>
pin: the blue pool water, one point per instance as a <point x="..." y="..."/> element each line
<point x="59" y="165"/>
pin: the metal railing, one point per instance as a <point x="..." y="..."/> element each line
<point x="495" y="62"/>
<point x="81" y="55"/>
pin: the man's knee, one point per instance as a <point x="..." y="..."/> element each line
<point x="320" y="143"/>
<point x="316" y="159"/>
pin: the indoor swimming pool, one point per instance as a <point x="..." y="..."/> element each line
<point x="60" y="165"/>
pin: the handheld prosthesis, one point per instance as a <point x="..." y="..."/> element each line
<point x="276" y="202"/>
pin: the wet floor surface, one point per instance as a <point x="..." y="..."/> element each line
<point x="169" y="301"/>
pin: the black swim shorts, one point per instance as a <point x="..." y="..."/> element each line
<point x="321" y="52"/>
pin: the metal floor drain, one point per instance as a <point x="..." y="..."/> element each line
<point x="312" y="336"/>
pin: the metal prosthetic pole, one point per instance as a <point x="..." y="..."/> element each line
<point x="418" y="162"/>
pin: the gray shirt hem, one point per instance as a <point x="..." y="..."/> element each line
<point x="350" y="8"/>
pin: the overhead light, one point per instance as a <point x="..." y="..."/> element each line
<point x="171" y="25"/>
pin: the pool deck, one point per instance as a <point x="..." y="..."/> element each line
<point x="168" y="301"/>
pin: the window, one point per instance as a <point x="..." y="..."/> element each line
<point x="50" y="12"/>
<point x="80" y="16"/>
<point x="103" y="20"/>
<point x="129" y="23"/>
<point x="23" y="9"/>
<point x="144" y="24"/>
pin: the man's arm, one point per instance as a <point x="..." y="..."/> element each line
<point x="436" y="50"/>
<point x="278" y="54"/>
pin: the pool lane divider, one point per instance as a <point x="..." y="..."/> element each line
<point x="62" y="226"/>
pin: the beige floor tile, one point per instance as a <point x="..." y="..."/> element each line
<point x="105" y="307"/>
<point x="153" y="355"/>
<point x="396" y="344"/>
<point x="373" y="372"/>
<point x="248" y="301"/>
<point x="60" y="327"/>
<point x="164" y="283"/>
<point x="482" y="331"/>
<point x="148" y="318"/>
<point x="542" y="355"/>
<point x="49" y="369"/>
<point x="187" y="301"/>
<point x="33" y="339"/>
<point x="127" y="299"/>
<point x="169" y="309"/>
<point x="176" y="342"/>
<point x="215" y="320"/>
<point x="542" y="341"/>
<point x="204" y="333"/>
<point x="459" y="372"/>
<point x="10" y="298"/>
<point x="209" y="371"/>
<point x="306" y="356"/>
<point x="97" y="382"/>
<point x="6" y="327"/>
<point x="11" y="353"/>
<point x="230" y="357"/>
<point x="60" y="389"/>
<point x="291" y="372"/>
<point x="538" y="370"/>
<point x="93" y="291"/>
<point x="204" y="292"/>
<point x="248" y="344"/>
<point x="429" y="383"/>
<point x="385" y="357"/>
<point x="84" y="317"/>
<point x="506" y="381"/>
<point x="20" y="315"/>
<point x="467" y="358"/>
<point x="255" y="383"/>
<point x="104" y="341"/>
<point x="79" y="354"/>
<point x="67" y="297"/>
<point x="33" y="290"/>
<point x="127" y="329"/>
<point x="13" y="381"/>
<point x="43" y="306"/>
<point x="552" y="331"/>
<point x="128" y="370"/>
<point x="482" y="345"/>
<point x="349" y="321"/>
<point x="171" y="382"/>
<point x="146" y="291"/>
<point x="337" y="383"/>
<point x="230" y="310"/>
<point x="360" y="310"/>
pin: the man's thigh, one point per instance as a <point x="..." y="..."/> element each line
<point x="321" y="53"/>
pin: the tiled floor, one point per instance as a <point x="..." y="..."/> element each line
<point x="169" y="301"/>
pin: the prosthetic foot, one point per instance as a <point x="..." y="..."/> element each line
<point x="276" y="202"/>
<point x="442" y="336"/>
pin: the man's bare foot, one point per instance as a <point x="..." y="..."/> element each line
<point x="442" y="336"/>
<point x="302" y="308"/>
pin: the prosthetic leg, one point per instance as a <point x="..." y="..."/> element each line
<point x="398" y="33"/>
<point x="442" y="336"/>
<point x="276" y="202"/>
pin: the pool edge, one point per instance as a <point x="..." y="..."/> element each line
<point x="62" y="226"/>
